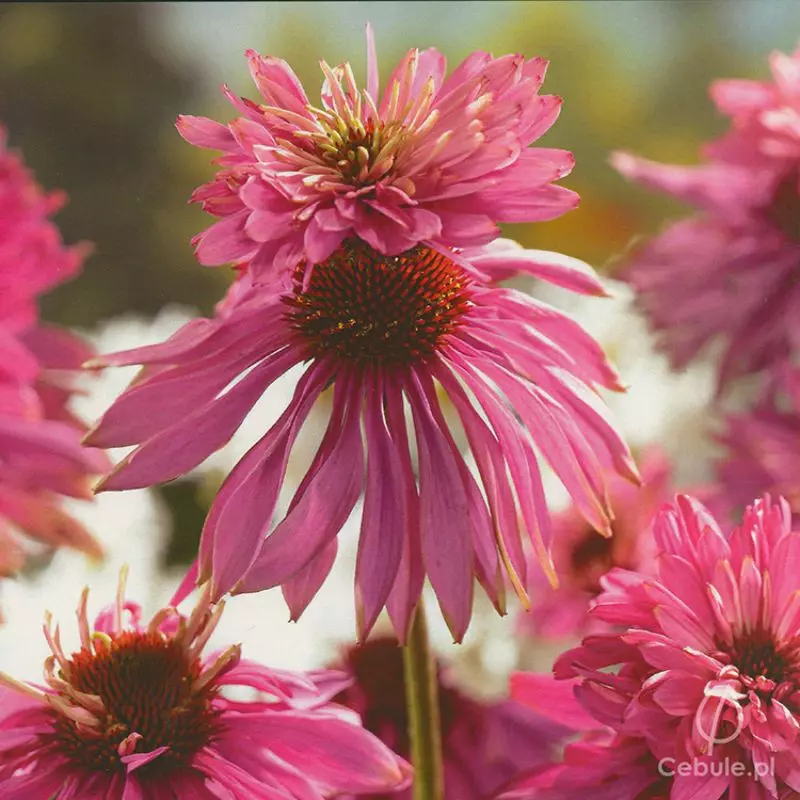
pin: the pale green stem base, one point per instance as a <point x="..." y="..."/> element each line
<point x="422" y="701"/>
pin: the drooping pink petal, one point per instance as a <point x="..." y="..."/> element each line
<point x="445" y="517"/>
<point x="384" y="521"/>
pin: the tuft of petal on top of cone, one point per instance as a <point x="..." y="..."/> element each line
<point x="433" y="159"/>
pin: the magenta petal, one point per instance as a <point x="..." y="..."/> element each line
<point x="431" y="65"/>
<point x="334" y="753"/>
<point x="570" y="273"/>
<point x="57" y="348"/>
<point x="151" y="405"/>
<point x="383" y="524"/>
<point x="492" y="468"/>
<point x="40" y="783"/>
<point x="137" y="760"/>
<point x="183" y="341"/>
<point x="708" y="185"/>
<point x="560" y="440"/>
<point x="444" y="511"/>
<point x="184" y="445"/>
<point x="277" y="83"/>
<point x="16" y="360"/>
<point x="522" y="463"/>
<point x="407" y="588"/>
<point x="246" y="501"/>
<point x="483" y="534"/>
<point x="554" y="699"/>
<point x="470" y="229"/>
<point x="710" y="787"/>
<point x="552" y="328"/>
<point x="595" y="421"/>
<point x="538" y="204"/>
<point x="321" y="242"/>
<point x="320" y="507"/>
<point x="47" y="448"/>
<point x="203" y="132"/>
<point x="739" y="97"/>
<point x="302" y="587"/>
<point x="225" y="241"/>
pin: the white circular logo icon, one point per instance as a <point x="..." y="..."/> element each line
<point x="723" y="696"/>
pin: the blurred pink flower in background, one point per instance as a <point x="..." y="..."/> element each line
<point x="139" y="713"/>
<point x="41" y="459"/>
<point x="706" y="668"/>
<point x="732" y="271"/>
<point x="603" y="766"/>
<point x="485" y="744"/>
<point x="582" y="555"/>
<point x="763" y="449"/>
<point x="610" y="766"/>
<point x="435" y="159"/>
<point x="385" y="331"/>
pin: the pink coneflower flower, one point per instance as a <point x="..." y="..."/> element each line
<point x="763" y="449"/>
<point x="435" y="159"/>
<point x="390" y="333"/>
<point x="732" y="271"/>
<point x="139" y="712"/>
<point x="484" y="744"/>
<point x="41" y="458"/>
<point x="706" y="670"/>
<point x="583" y="555"/>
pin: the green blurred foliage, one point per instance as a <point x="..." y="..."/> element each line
<point x="92" y="108"/>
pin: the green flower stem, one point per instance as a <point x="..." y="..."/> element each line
<point x="422" y="701"/>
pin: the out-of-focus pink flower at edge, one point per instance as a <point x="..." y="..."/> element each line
<point x="582" y="555"/>
<point x="484" y="744"/>
<point x="705" y="665"/>
<point x="437" y="159"/>
<point x="139" y="713"/>
<point x="33" y="258"/>
<point x="732" y="271"/>
<point x="39" y="437"/>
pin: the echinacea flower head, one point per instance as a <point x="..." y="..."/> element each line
<point x="396" y="337"/>
<point x="484" y="744"/>
<point x="730" y="273"/>
<point x="705" y="669"/>
<point x="435" y="158"/>
<point x="140" y="713"/>
<point x="583" y="555"/>
<point x="41" y="458"/>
